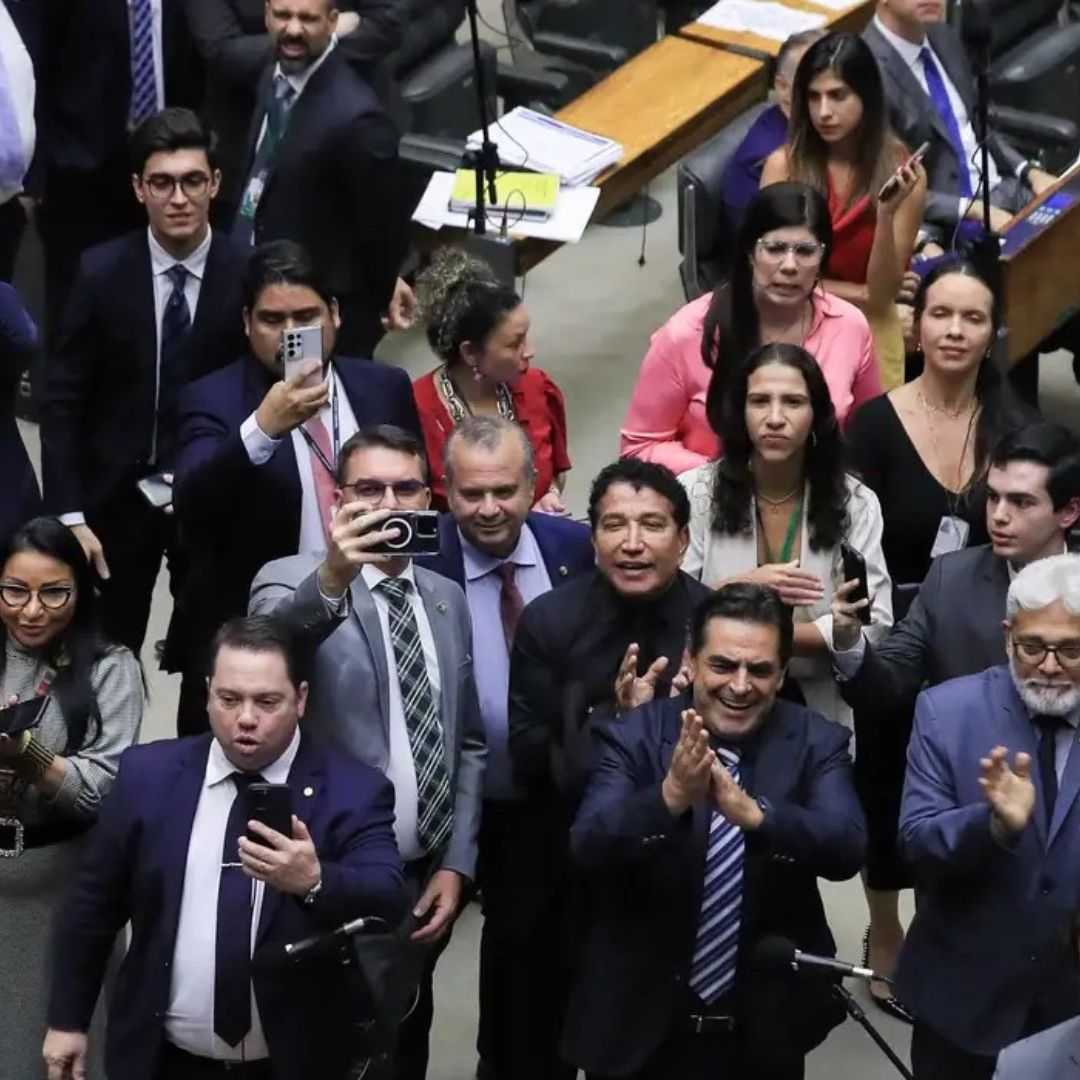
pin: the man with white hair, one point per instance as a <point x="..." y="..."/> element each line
<point x="990" y="823"/>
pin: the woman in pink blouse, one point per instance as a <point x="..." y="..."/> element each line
<point x="772" y="296"/>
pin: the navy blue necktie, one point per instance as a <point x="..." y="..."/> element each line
<point x="172" y="370"/>
<point x="939" y="95"/>
<point x="1048" y="728"/>
<point x="232" y="953"/>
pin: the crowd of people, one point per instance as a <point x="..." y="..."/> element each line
<point x="631" y="738"/>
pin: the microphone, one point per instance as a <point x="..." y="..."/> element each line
<point x="779" y="954"/>
<point x="276" y="957"/>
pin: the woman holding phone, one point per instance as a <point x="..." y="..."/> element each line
<point x="840" y="143"/>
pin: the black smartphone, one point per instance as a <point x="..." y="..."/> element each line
<point x="855" y="569"/>
<point x="271" y="805"/>
<point x="417" y="533"/>
<point x="21" y="716"/>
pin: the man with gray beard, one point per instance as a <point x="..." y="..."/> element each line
<point x="990" y="822"/>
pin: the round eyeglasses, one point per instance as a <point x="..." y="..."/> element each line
<point x="51" y="597"/>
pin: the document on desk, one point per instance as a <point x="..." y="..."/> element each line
<point x="567" y="223"/>
<point x="835" y="5"/>
<point x="761" y="17"/>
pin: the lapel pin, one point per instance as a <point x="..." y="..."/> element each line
<point x="441" y="608"/>
<point x="309" y="791"/>
<point x="563" y="571"/>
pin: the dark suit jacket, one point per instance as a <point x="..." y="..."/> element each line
<point x="18" y="341"/>
<point x="952" y="628"/>
<point x="915" y="120"/>
<point x="98" y="408"/>
<point x="646" y="872"/>
<point x="134" y="870"/>
<point x="565" y="546"/>
<point x="231" y="38"/>
<point x="234" y="516"/>
<point x="991" y="921"/>
<point x="335" y="188"/>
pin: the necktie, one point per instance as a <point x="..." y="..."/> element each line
<point x="1048" y="727"/>
<point x="940" y="98"/>
<point x="325" y="484"/>
<point x="172" y="372"/>
<point x="436" y="813"/>
<point x="511" y="602"/>
<point x="277" y="119"/>
<point x="712" y="971"/>
<point x="144" y="98"/>
<point x="232" y="954"/>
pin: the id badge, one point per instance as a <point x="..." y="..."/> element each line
<point x="952" y="535"/>
<point x="250" y="202"/>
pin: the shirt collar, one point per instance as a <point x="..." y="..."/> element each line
<point x="161" y="262"/>
<point x="1013" y="570"/>
<point x="219" y="768"/>
<point x="298" y="80"/>
<point x="372" y="575"/>
<point x="908" y="51"/>
<point x="478" y="563"/>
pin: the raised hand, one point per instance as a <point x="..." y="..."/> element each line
<point x="732" y="801"/>
<point x="631" y="689"/>
<point x="289" y="403"/>
<point x="1010" y="791"/>
<point x="690" y="773"/>
<point x="354" y="530"/>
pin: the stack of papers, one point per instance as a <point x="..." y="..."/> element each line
<point x="522" y="194"/>
<point x="531" y="140"/>
<point x="761" y="17"/>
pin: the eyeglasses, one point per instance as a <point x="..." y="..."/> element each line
<point x="162" y="186"/>
<point x="1035" y="652"/>
<point x="373" y="490"/>
<point x="805" y="252"/>
<point x="51" y="597"/>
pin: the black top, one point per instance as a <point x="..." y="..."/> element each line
<point x="913" y="502"/>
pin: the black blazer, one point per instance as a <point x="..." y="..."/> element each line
<point x="231" y="38"/>
<point x="234" y="516"/>
<point x="335" y="188"/>
<point x="645" y="872"/>
<point x="98" y="408"/>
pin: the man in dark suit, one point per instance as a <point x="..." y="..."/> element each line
<point x="706" y="821"/>
<point x="103" y="66"/>
<point x="149" y="311"/>
<point x="930" y="91"/>
<point x="994" y="839"/>
<point x="503" y="557"/>
<point x="169" y="854"/>
<point x="1033" y="500"/>
<point x="599" y="644"/>
<point x="322" y="168"/>
<point x="256" y="454"/>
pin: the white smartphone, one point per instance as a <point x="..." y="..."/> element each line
<point x="156" y="490"/>
<point x="298" y="346"/>
<point x="888" y="189"/>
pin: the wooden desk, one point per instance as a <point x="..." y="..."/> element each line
<point x="851" y="20"/>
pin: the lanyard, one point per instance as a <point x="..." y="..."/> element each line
<point x="789" y="536"/>
<point x="335" y="437"/>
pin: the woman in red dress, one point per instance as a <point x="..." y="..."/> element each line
<point x="479" y="329"/>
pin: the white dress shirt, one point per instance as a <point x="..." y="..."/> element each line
<point x="189" y="1023"/>
<point x="159" y="49"/>
<point x="401" y="770"/>
<point x="20" y="79"/>
<point x="298" y="80"/>
<point x="910" y="55"/>
<point x="261" y="448"/>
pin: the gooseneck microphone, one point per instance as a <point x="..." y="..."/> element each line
<point x="779" y="954"/>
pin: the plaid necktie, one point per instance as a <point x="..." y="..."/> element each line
<point x="172" y="372"/>
<point x="436" y="812"/>
<point x="712" y="972"/>
<point x="939" y="95"/>
<point x="144" y="97"/>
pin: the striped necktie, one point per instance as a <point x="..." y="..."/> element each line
<point x="144" y="95"/>
<point x="712" y="972"/>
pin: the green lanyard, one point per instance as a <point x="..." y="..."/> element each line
<point x="789" y="536"/>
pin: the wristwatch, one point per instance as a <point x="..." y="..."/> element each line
<point x="312" y="894"/>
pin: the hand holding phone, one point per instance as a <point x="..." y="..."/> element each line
<point x="854" y="569"/>
<point x="270" y="804"/>
<point x="892" y="185"/>
<point x="300" y="346"/>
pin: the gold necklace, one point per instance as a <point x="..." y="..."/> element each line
<point x="952" y="414"/>
<point x="775" y="504"/>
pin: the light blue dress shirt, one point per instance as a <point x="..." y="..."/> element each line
<point x="491" y="658"/>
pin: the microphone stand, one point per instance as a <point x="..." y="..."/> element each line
<point x="858" y="1014"/>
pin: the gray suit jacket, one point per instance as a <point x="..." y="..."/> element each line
<point x="1050" y="1055"/>
<point x="349" y="696"/>
<point x="915" y="120"/>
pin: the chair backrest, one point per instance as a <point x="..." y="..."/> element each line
<point x="1010" y="20"/>
<point x="430" y="26"/>
<point x="631" y="24"/>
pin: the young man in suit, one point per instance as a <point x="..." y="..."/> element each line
<point x="149" y="311"/>
<point x="322" y="168"/>
<point x="989" y="822"/>
<point x="705" y="825"/>
<point x="503" y="556"/>
<point x="256" y="453"/>
<point x="393" y="685"/>
<point x="170" y="854"/>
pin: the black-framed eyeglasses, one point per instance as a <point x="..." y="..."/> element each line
<point x="370" y="490"/>
<point x="162" y="185"/>
<point x="1033" y="651"/>
<point x="51" y="597"/>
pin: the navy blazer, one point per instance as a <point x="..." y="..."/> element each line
<point x="646" y="870"/>
<point x="18" y="343"/>
<point x="565" y="546"/>
<point x="234" y="516"/>
<point x="990" y="923"/>
<point x="100" y="383"/>
<point x="134" y="870"/>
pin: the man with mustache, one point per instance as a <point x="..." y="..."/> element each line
<point x="990" y="824"/>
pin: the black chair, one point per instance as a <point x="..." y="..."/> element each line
<point x="705" y="233"/>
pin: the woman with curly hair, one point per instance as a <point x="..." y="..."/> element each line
<point x="479" y="329"/>
<point x="776" y="507"/>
